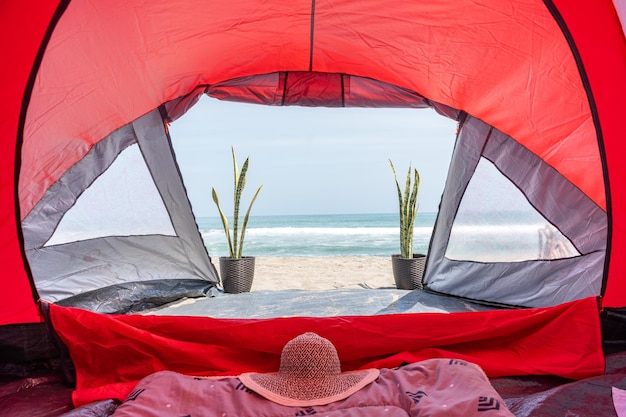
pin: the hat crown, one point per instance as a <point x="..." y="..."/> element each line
<point x="309" y="356"/>
<point x="309" y="374"/>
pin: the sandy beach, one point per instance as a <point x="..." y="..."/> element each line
<point x="321" y="273"/>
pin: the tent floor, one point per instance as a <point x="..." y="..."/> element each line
<point x="290" y="303"/>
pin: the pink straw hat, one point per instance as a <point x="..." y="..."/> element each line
<point x="309" y="374"/>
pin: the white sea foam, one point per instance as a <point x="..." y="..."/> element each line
<point x="321" y="231"/>
<point x="361" y="235"/>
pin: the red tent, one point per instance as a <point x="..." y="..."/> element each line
<point x="535" y="86"/>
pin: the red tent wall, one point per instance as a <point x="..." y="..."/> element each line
<point x="24" y="26"/>
<point x="598" y="35"/>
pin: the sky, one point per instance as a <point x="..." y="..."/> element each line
<point x="311" y="160"/>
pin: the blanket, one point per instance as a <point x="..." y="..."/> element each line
<point x="434" y="387"/>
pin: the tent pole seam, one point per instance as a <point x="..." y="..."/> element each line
<point x="284" y="95"/>
<point x="312" y="33"/>
<point x="343" y="90"/>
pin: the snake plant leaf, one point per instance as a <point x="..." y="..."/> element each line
<point x="224" y="222"/>
<point x="407" y="201"/>
<point x="245" y="220"/>
<point x="235" y="245"/>
<point x="235" y="169"/>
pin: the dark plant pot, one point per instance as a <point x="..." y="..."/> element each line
<point x="237" y="274"/>
<point x="408" y="273"/>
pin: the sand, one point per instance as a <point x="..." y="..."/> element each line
<point x="327" y="273"/>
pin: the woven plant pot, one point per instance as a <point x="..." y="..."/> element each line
<point x="237" y="274"/>
<point x="408" y="273"/>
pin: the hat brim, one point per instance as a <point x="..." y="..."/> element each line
<point x="301" y="392"/>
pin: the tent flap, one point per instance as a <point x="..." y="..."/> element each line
<point x="108" y="350"/>
<point x="511" y="229"/>
<point x="119" y="216"/>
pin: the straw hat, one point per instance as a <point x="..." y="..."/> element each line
<point x="309" y="374"/>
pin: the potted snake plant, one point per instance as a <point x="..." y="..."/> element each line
<point x="408" y="267"/>
<point x="236" y="270"/>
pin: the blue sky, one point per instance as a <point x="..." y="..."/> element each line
<point x="311" y="160"/>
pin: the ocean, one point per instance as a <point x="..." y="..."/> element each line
<point x="319" y="235"/>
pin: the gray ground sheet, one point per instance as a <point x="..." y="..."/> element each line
<point x="305" y="303"/>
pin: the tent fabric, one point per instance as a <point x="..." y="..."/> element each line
<point x="309" y="88"/>
<point x="538" y="282"/>
<point x="17" y="70"/>
<point x="588" y="74"/>
<point x="502" y="79"/>
<point x="458" y="66"/>
<point x="596" y="31"/>
<point x="142" y="251"/>
<point x="563" y="341"/>
<point x="546" y="77"/>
